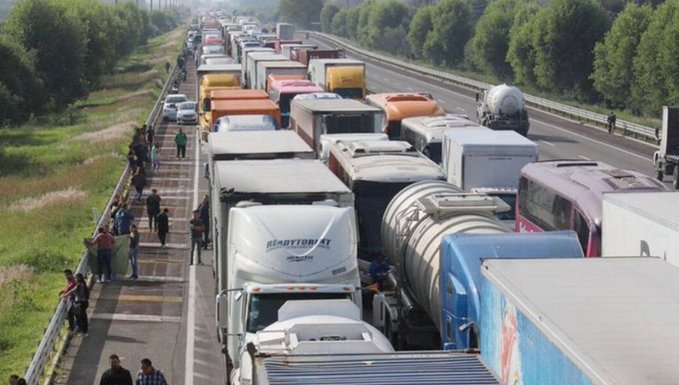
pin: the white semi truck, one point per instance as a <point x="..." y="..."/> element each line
<point x="642" y="225"/>
<point x="503" y="108"/>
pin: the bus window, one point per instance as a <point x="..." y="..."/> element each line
<point x="581" y="228"/>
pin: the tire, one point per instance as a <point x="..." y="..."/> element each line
<point x="675" y="181"/>
<point x="659" y="174"/>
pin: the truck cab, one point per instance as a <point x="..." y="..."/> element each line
<point x="398" y="106"/>
<point x="426" y="133"/>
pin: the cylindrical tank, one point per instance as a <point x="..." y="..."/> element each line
<point x="505" y="99"/>
<point x="413" y="226"/>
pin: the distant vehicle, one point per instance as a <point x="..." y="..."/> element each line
<point x="170" y="106"/>
<point x="426" y="133"/>
<point x="342" y="76"/>
<point x="568" y="195"/>
<point x="211" y="49"/>
<point x="246" y="123"/>
<point x="204" y="57"/>
<point x="503" y="108"/>
<point x="216" y="60"/>
<point x="317" y="95"/>
<point x="398" y="106"/>
<point x="666" y="159"/>
<point x="186" y="113"/>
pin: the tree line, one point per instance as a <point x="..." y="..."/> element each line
<point x="622" y="53"/>
<point x="54" y="52"/>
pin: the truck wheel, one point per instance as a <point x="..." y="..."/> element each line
<point x="675" y="182"/>
<point x="659" y="174"/>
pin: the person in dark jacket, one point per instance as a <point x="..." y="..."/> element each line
<point x="117" y="375"/>
<point x="163" y="222"/>
<point x="153" y="209"/>
<point x="204" y="209"/>
<point x="139" y="181"/>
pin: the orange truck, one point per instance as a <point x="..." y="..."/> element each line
<point x="244" y="107"/>
<point x="207" y="122"/>
<point x="398" y="106"/>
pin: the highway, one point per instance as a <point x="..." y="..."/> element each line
<point x="558" y="138"/>
<point x="167" y="315"/>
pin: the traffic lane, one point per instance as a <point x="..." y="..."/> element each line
<point x="572" y="140"/>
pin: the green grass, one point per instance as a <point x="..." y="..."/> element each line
<point x="53" y="171"/>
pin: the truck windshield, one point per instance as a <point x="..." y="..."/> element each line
<point x="372" y="199"/>
<point x="347" y="124"/>
<point x="349" y="93"/>
<point x="263" y="308"/>
<point x="509" y="199"/>
<point x="433" y="152"/>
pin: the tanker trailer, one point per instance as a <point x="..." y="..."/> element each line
<point x="413" y="226"/>
<point x="503" y="108"/>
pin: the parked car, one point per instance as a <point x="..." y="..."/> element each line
<point x="170" y="106"/>
<point x="186" y="113"/>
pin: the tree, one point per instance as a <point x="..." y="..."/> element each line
<point x="21" y="90"/>
<point x="327" y="14"/>
<point x="564" y="38"/>
<point x="301" y="12"/>
<point x="59" y="40"/>
<point x="652" y="85"/>
<point x="339" y="24"/>
<point x="614" y="57"/>
<point x="382" y="19"/>
<point x="489" y="46"/>
<point x="452" y="27"/>
<point x="521" y="53"/>
<point x="363" y="25"/>
<point x="352" y="22"/>
<point x="419" y="28"/>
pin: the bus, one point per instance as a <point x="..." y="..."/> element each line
<point x="568" y="195"/>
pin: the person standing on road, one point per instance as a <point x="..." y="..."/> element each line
<point x="81" y="296"/>
<point x="134" y="250"/>
<point x="153" y="209"/>
<point x="105" y="242"/>
<point x="13" y="379"/>
<point x="204" y="209"/>
<point x="611" y="122"/>
<point x="70" y="313"/>
<point x="167" y="67"/>
<point x="22" y="381"/>
<point x="163" y="222"/>
<point x="197" y="228"/>
<point x="117" y="375"/>
<point x="155" y="158"/>
<point x="148" y="375"/>
<point x="124" y="219"/>
<point x="180" y="139"/>
<point x="139" y="181"/>
<point x="150" y="137"/>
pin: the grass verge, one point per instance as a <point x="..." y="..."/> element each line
<point x="53" y="171"/>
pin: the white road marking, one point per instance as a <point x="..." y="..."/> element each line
<point x="167" y="245"/>
<point x="592" y="140"/>
<point x="584" y="157"/>
<point x="441" y="101"/>
<point x="135" y="317"/>
<point x="191" y="312"/>
<point x="156" y="278"/>
<point x="461" y="109"/>
<point x="547" y="143"/>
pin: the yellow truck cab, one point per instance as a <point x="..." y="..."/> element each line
<point x="209" y="83"/>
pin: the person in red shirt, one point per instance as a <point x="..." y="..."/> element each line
<point x="104" y="241"/>
<point x="70" y="310"/>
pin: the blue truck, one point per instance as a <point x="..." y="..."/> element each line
<point x="461" y="258"/>
<point x="585" y="321"/>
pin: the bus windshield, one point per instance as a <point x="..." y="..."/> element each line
<point x="347" y="124"/>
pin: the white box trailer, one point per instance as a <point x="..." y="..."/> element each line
<point x="266" y="68"/>
<point x="251" y="65"/>
<point x="285" y="31"/>
<point x="244" y="55"/>
<point x="585" y="321"/>
<point x="477" y="158"/>
<point x="641" y="224"/>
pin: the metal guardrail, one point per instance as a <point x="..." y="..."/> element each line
<point x="55" y="329"/>
<point x="628" y="128"/>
